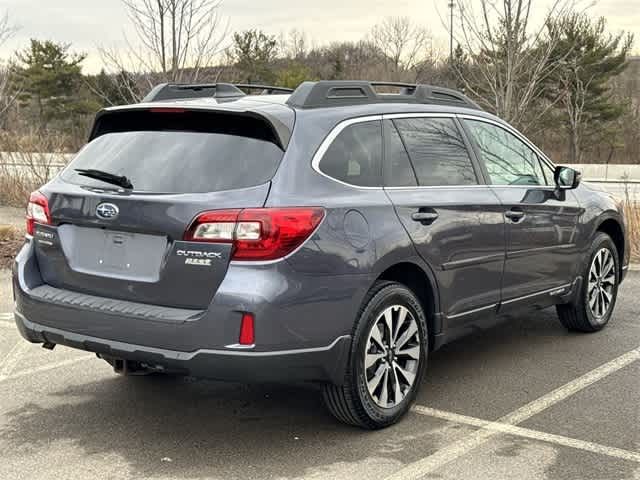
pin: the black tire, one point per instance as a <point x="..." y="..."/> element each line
<point x="351" y="402"/>
<point x="577" y="315"/>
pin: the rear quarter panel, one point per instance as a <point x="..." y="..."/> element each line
<point x="360" y="235"/>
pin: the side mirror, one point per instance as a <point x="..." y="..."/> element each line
<point x="566" y="178"/>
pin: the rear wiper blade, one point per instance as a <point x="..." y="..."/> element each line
<point x="106" y="177"/>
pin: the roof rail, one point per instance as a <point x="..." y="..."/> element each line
<point x="335" y="93"/>
<point x="265" y="89"/>
<point x="174" y="91"/>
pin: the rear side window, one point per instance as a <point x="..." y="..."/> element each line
<point x="194" y="155"/>
<point x="437" y="151"/>
<point x="355" y="156"/>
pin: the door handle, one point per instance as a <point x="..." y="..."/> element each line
<point x="425" y="218"/>
<point x="515" y="214"/>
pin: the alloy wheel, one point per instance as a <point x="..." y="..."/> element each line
<point x="392" y="356"/>
<point x="601" y="284"/>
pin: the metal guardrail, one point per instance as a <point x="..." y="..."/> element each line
<point x="605" y="173"/>
<point x="23" y="164"/>
<point x="595" y="173"/>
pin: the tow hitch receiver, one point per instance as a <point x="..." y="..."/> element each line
<point x="129" y="367"/>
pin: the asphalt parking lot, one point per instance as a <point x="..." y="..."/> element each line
<point x="523" y="400"/>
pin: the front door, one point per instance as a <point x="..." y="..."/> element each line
<point x="455" y="221"/>
<point x="541" y="223"/>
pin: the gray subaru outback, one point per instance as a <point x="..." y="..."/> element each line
<point x="337" y="233"/>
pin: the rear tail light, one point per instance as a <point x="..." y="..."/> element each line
<point x="257" y="233"/>
<point x="37" y="211"/>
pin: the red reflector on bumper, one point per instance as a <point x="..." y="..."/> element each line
<point x="247" y="333"/>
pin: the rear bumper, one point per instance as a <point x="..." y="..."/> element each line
<point x="321" y="364"/>
<point x="303" y="324"/>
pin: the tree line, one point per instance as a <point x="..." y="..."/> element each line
<point x="566" y="81"/>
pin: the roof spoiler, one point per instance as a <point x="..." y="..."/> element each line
<point x="335" y="93"/>
<point x="175" y="91"/>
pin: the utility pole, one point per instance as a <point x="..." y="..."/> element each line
<point x="451" y="5"/>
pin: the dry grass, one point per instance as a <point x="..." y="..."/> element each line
<point x="15" y="188"/>
<point x="23" y="166"/>
<point x="632" y="214"/>
<point x="6" y="232"/>
<point x="11" y="240"/>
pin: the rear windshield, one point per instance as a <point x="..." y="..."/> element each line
<point x="177" y="161"/>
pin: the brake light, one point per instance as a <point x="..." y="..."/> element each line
<point x="167" y="110"/>
<point x="37" y="211"/>
<point x="257" y="233"/>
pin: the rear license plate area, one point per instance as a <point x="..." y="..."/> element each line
<point x="112" y="253"/>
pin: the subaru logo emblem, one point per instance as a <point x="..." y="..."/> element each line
<point x="107" y="211"/>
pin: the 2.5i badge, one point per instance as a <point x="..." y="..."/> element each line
<point x="198" y="257"/>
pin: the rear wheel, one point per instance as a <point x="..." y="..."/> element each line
<point x="593" y="307"/>
<point x="387" y="360"/>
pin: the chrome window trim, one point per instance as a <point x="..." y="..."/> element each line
<point x="326" y="143"/>
<point x="528" y="187"/>
<point x="438" y="187"/>
<point x="392" y="116"/>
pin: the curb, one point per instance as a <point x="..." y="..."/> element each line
<point x="634" y="267"/>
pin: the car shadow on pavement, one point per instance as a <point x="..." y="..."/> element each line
<point x="187" y="428"/>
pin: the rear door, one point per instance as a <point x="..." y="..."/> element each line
<point x="129" y="244"/>
<point x="455" y="221"/>
<point x="541" y="223"/>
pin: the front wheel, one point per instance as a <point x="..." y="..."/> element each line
<point x="593" y="307"/>
<point x="387" y="360"/>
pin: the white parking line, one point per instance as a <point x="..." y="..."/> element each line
<point x="459" y="448"/>
<point x="528" y="433"/>
<point x="6" y="320"/>
<point x="44" y="368"/>
<point x="8" y="363"/>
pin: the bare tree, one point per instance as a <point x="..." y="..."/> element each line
<point x="294" y="45"/>
<point x="176" y="40"/>
<point x="406" y="46"/>
<point x="7" y="95"/>
<point x="509" y="56"/>
<point x="573" y="103"/>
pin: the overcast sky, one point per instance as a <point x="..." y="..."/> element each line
<point x="89" y="23"/>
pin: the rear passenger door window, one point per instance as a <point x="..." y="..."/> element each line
<point x="508" y="160"/>
<point x="437" y="151"/>
<point x="355" y="156"/>
<point x="398" y="171"/>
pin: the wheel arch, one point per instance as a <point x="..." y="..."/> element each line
<point x="421" y="282"/>
<point x="612" y="226"/>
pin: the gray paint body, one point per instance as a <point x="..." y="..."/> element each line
<point x="478" y="263"/>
